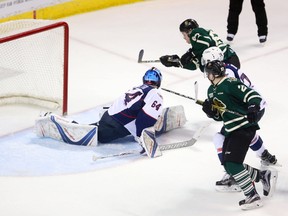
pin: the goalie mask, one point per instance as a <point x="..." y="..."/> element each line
<point x="217" y="68"/>
<point x="212" y="54"/>
<point x="188" y="25"/>
<point x="152" y="77"/>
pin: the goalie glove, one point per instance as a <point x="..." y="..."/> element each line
<point x="170" y="60"/>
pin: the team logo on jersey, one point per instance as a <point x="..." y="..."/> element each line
<point x="131" y="96"/>
<point x="219" y="105"/>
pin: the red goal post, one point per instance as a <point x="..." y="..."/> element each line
<point x="34" y="63"/>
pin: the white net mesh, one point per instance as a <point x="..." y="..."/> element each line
<point x="32" y="66"/>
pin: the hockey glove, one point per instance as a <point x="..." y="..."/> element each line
<point x="187" y="57"/>
<point x="170" y="60"/>
<point x="207" y="107"/>
<point x="253" y="113"/>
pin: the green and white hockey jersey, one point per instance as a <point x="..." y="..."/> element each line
<point x="231" y="94"/>
<point x="202" y="39"/>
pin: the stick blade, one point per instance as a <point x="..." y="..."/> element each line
<point x="140" y="56"/>
<point x="196" y="90"/>
<point x="196" y="94"/>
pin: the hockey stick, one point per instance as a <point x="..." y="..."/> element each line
<point x="140" y="58"/>
<point x="199" y="102"/>
<point x="185" y="96"/>
<point x="95" y="158"/>
<point x="186" y="143"/>
<point x="181" y="144"/>
<point x="216" y="107"/>
<point x="196" y="93"/>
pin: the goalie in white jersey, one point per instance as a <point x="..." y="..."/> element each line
<point x="138" y="112"/>
<point x="135" y="110"/>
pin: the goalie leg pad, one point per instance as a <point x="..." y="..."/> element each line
<point x="171" y="118"/>
<point x="149" y="143"/>
<point x="56" y="127"/>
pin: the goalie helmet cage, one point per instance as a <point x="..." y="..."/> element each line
<point x="34" y="63"/>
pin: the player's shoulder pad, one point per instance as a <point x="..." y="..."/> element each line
<point x="156" y="92"/>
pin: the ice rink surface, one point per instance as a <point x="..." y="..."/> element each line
<point x="44" y="177"/>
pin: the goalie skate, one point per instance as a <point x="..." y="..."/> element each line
<point x="149" y="143"/>
<point x="56" y="127"/>
<point x="171" y="118"/>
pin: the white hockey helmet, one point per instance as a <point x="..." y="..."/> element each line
<point x="212" y="54"/>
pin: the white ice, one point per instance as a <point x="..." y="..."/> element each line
<point x="43" y="177"/>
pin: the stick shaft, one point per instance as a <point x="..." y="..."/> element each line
<point x="182" y="95"/>
<point x="199" y="102"/>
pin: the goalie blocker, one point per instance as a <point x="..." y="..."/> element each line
<point x="62" y="129"/>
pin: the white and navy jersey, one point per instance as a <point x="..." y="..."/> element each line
<point x="232" y="71"/>
<point x="138" y="108"/>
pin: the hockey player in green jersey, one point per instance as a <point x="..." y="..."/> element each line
<point x="239" y="107"/>
<point x="227" y="183"/>
<point x="200" y="39"/>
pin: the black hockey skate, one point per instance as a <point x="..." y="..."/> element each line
<point x="268" y="159"/>
<point x="268" y="179"/>
<point x="227" y="184"/>
<point x="251" y="201"/>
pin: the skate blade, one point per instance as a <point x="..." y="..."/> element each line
<point x="265" y="164"/>
<point x="273" y="182"/>
<point x="256" y="204"/>
<point x="228" y="189"/>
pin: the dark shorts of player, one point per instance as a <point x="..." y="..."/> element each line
<point x="109" y="129"/>
<point x="236" y="145"/>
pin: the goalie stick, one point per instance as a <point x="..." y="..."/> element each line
<point x="165" y="147"/>
<point x="170" y="146"/>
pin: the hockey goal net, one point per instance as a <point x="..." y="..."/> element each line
<point x="34" y="63"/>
